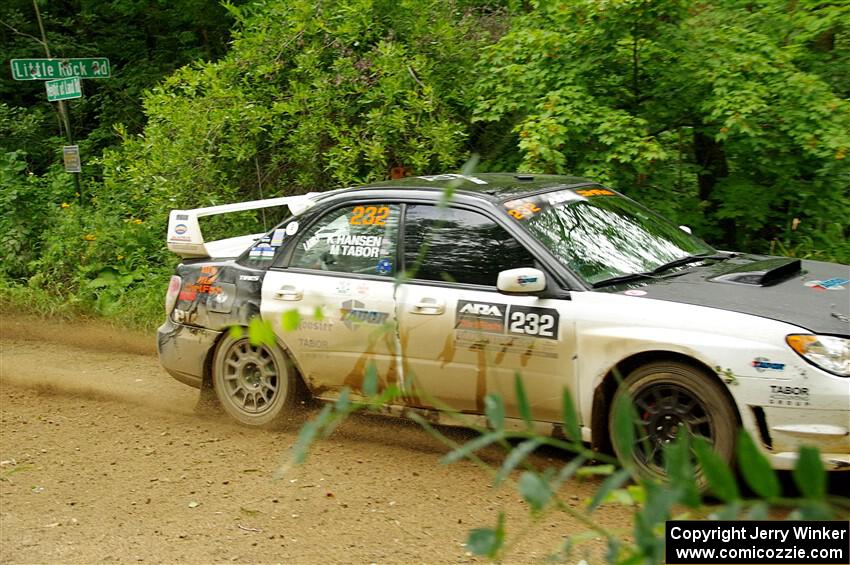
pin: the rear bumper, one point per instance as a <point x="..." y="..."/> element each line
<point x="184" y="350"/>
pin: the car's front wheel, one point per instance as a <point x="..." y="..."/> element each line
<point x="667" y="397"/>
<point x="254" y="383"/>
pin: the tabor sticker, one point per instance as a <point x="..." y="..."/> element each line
<point x="785" y="395"/>
<point x="353" y="313"/>
<point x="291" y="228"/>
<point x="634" y="292"/>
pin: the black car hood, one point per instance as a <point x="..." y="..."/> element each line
<point x="810" y="294"/>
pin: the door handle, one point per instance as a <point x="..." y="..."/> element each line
<point x="288" y="293"/>
<point x="429" y="306"/>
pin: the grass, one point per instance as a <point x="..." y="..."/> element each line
<point x="138" y="308"/>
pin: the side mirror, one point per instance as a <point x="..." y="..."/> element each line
<point x="686" y="229"/>
<point x="521" y="281"/>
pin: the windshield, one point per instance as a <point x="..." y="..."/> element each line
<point x="600" y="235"/>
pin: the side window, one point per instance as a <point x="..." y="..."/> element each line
<point x="267" y="248"/>
<point x="459" y="246"/>
<point x="358" y="238"/>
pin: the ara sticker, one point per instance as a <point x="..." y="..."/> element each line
<point x="830" y="284"/>
<point x="480" y="316"/>
<point x="180" y="229"/>
<point x="529" y="321"/>
<point x="384" y="267"/>
<point x="762" y="364"/>
<point x="524" y="280"/>
<point x="635" y="292"/>
<point x="291" y="228"/>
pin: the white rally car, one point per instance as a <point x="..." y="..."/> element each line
<point x="559" y="279"/>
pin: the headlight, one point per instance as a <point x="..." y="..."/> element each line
<point x="828" y="352"/>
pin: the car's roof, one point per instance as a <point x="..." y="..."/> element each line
<point x="491" y="186"/>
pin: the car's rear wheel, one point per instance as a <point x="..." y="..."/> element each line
<point x="669" y="396"/>
<point x="254" y="383"/>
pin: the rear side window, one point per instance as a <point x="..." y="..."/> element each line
<point x="358" y="239"/>
<point x="456" y="245"/>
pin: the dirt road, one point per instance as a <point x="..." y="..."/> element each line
<point x="103" y="459"/>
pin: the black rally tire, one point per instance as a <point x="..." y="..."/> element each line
<point x="667" y="395"/>
<point x="255" y="384"/>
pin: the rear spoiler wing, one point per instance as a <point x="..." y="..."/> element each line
<point x="184" y="231"/>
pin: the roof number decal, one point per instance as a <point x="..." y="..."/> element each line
<point x="369" y="216"/>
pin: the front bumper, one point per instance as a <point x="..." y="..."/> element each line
<point x="787" y="460"/>
<point x="184" y="351"/>
<point x="791" y="428"/>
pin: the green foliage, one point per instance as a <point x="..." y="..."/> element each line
<point x="719" y="477"/>
<point x="710" y="112"/>
<point x="310" y="96"/>
<point x="487" y="541"/>
<point x="809" y="475"/>
<point x="755" y="468"/>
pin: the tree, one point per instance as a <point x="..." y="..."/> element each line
<point x="704" y="111"/>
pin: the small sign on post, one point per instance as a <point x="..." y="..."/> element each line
<point x="71" y="156"/>
<point x="63" y="89"/>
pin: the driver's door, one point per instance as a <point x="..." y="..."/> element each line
<point x="340" y="281"/>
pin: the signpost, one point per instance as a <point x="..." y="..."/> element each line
<point x="47" y="69"/>
<point x="71" y="156"/>
<point x="63" y="89"/>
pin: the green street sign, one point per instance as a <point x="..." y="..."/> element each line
<point x="48" y="69"/>
<point x="63" y="89"/>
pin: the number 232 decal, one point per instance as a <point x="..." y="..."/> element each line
<point x="498" y="318"/>
<point x="533" y="321"/>
<point x="533" y="324"/>
<point x="369" y="216"/>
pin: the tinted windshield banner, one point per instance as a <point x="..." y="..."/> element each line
<point x="526" y="208"/>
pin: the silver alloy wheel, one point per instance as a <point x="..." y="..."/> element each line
<point x="254" y="383"/>
<point x="250" y="377"/>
